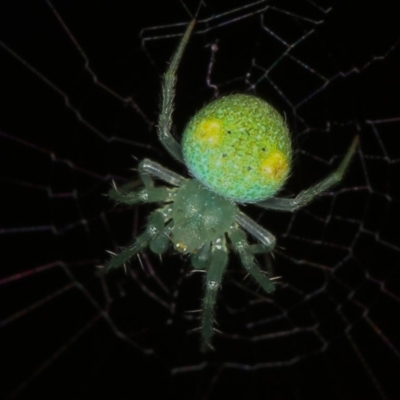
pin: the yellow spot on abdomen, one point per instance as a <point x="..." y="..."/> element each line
<point x="275" y="166"/>
<point x="209" y="132"/>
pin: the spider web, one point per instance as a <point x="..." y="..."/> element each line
<point x="80" y="99"/>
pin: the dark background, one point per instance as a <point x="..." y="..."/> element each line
<point x="332" y="328"/>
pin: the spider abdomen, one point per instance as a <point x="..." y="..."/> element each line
<point x="239" y="147"/>
<point x="199" y="216"/>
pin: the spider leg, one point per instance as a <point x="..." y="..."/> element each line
<point x="154" y="229"/>
<point x="258" y="249"/>
<point x="216" y="267"/>
<point x="264" y="236"/>
<point x="149" y="194"/>
<point x="201" y="259"/>
<point x="149" y="168"/>
<point x="161" y="242"/>
<point x="239" y="242"/>
<point x="167" y="99"/>
<point x="306" y="196"/>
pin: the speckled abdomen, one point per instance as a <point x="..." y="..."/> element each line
<point x="239" y="147"/>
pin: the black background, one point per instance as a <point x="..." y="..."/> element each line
<point x="332" y="331"/>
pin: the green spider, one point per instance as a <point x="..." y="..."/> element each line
<point x="238" y="150"/>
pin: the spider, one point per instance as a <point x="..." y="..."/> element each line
<point x="238" y="150"/>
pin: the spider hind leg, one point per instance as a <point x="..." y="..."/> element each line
<point x="307" y="195"/>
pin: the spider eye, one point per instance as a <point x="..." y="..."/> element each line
<point x="181" y="247"/>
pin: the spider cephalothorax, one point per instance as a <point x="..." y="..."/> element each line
<point x="238" y="150"/>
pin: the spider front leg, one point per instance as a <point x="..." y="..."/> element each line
<point x="217" y="261"/>
<point x="306" y="196"/>
<point x="154" y="236"/>
<point x="246" y="253"/>
<point x="265" y="237"/>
